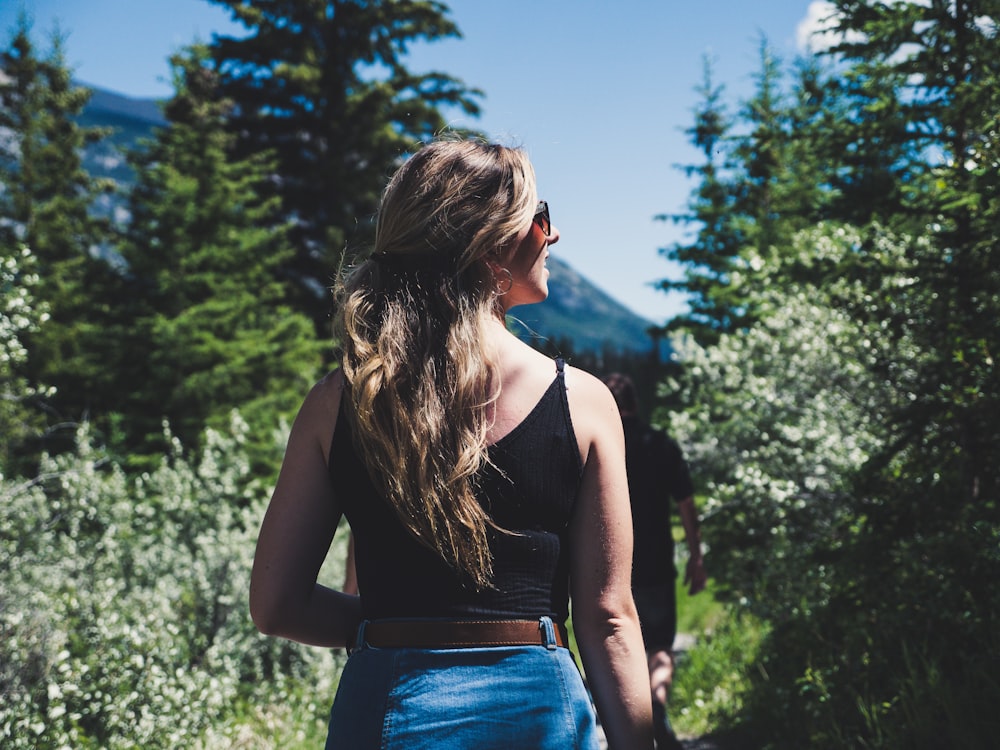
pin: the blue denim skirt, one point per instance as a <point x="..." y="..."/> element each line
<point x="462" y="698"/>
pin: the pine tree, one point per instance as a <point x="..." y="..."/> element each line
<point x="757" y="187"/>
<point x="762" y="155"/>
<point x="944" y="62"/>
<point x="898" y="126"/>
<point x="711" y="256"/>
<point x="809" y="155"/>
<point x="322" y="85"/>
<point x="46" y="206"/>
<point x="207" y="328"/>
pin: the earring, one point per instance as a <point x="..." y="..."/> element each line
<point x="509" y="282"/>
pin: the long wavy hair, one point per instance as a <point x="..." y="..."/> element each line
<point x="412" y="321"/>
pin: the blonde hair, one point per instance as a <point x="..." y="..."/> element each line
<point x="412" y="322"/>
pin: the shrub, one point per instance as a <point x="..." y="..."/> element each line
<point x="123" y="615"/>
<point x="711" y="682"/>
<point x="850" y="505"/>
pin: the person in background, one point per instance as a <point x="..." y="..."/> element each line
<point x="484" y="484"/>
<point x="657" y="472"/>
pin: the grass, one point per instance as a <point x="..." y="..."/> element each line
<point x="700" y="613"/>
<point x="710" y="679"/>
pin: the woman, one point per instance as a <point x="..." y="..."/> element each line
<point x="484" y="484"/>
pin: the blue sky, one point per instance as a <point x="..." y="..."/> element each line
<point x="598" y="91"/>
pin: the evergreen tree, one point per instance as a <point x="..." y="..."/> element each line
<point x="711" y="256"/>
<point x="809" y="156"/>
<point x="322" y="85"/>
<point x="938" y="480"/>
<point x="894" y="509"/>
<point x="45" y="205"/>
<point x="782" y="186"/>
<point x="761" y="154"/>
<point x="757" y="187"/>
<point x="207" y="327"/>
<point x="944" y="60"/>
<point x="920" y="83"/>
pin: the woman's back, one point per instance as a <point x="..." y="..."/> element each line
<point x="529" y="489"/>
<point x="524" y="375"/>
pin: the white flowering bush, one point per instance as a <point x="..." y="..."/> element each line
<point x="20" y="313"/>
<point x="825" y="439"/>
<point x="123" y="613"/>
<point x="781" y="417"/>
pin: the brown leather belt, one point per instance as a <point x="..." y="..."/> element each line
<point x="461" y="633"/>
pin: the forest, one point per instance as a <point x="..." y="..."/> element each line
<point x="834" y="380"/>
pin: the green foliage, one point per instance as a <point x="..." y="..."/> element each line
<point x="758" y="185"/>
<point x="322" y="86"/>
<point x="711" y="685"/>
<point x="849" y="572"/>
<point x="781" y="414"/>
<point x="711" y="254"/>
<point x="205" y="326"/>
<point x="45" y="205"/>
<point x="846" y="433"/>
<point x="19" y="313"/>
<point x="123" y="616"/>
<point x="930" y="700"/>
<point x="883" y="557"/>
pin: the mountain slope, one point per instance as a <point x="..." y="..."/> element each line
<point x="581" y="312"/>
<point x="128" y="120"/>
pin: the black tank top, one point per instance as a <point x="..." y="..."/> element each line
<point x="533" y="495"/>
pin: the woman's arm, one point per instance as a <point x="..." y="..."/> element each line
<point x="604" y="615"/>
<point x="295" y="536"/>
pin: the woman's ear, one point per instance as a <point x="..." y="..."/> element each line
<point x="503" y="279"/>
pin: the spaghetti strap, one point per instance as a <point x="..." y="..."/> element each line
<point x="564" y="403"/>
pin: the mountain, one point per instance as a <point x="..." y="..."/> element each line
<point x="579" y="311"/>
<point x="577" y="314"/>
<point x="128" y="121"/>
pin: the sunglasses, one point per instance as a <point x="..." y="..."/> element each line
<point x="542" y="219"/>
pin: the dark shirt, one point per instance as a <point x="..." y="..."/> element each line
<point x="530" y="491"/>
<point x="656" y="472"/>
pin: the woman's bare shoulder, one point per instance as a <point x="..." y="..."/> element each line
<point x="318" y="415"/>
<point x="586" y="385"/>
<point x="324" y="397"/>
<point x="330" y="386"/>
<point x="591" y="405"/>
